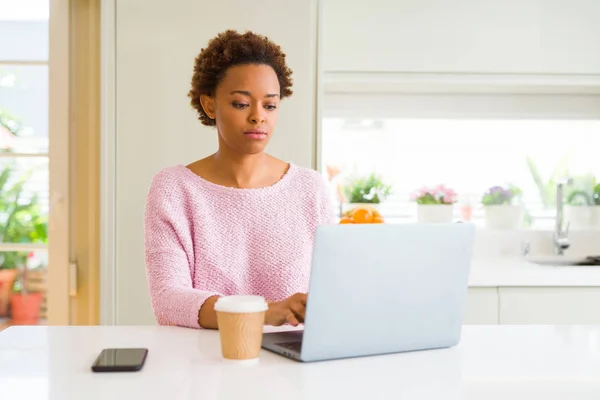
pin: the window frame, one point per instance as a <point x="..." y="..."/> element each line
<point x="59" y="279"/>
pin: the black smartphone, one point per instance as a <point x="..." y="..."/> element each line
<point x="120" y="360"/>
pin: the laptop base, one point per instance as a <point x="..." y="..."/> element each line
<point x="287" y="344"/>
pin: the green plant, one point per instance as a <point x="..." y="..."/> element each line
<point x="10" y="123"/>
<point x="20" y="221"/>
<point x="584" y="192"/>
<point x="547" y="188"/>
<point x="370" y="189"/>
<point x="498" y="195"/>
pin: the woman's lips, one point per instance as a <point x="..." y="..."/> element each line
<point x="256" y="134"/>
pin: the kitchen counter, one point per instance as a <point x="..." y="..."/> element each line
<point x="507" y="271"/>
<point x="491" y="362"/>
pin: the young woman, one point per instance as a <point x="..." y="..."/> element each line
<point x="238" y="221"/>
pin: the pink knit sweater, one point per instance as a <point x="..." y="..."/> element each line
<point x="203" y="239"/>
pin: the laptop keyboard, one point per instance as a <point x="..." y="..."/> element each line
<point x="294" y="346"/>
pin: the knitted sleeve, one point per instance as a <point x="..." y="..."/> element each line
<point x="169" y="256"/>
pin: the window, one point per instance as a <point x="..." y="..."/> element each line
<point x="469" y="142"/>
<point x="23" y="143"/>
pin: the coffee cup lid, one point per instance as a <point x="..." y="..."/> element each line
<point x="241" y="304"/>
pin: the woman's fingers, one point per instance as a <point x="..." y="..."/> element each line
<point x="277" y="313"/>
<point x="299" y="310"/>
<point x="291" y="319"/>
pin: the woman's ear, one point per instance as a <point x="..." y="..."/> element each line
<point x="208" y="105"/>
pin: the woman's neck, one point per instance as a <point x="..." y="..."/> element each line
<point x="241" y="170"/>
<point x="245" y="171"/>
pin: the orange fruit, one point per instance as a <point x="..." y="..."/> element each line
<point x="377" y="219"/>
<point x="362" y="215"/>
<point x="346" y="220"/>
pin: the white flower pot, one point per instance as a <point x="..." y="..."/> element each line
<point x="435" y="213"/>
<point x="582" y="217"/>
<point x="503" y="216"/>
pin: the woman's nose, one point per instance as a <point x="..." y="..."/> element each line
<point x="256" y="116"/>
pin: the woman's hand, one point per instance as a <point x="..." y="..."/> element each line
<point x="290" y="310"/>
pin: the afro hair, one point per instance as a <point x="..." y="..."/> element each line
<point x="229" y="49"/>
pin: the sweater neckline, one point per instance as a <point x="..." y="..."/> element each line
<point x="233" y="190"/>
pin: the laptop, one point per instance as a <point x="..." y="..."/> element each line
<point x="381" y="289"/>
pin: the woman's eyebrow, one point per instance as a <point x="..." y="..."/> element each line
<point x="247" y="93"/>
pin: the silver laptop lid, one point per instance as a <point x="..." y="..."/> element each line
<point x="386" y="288"/>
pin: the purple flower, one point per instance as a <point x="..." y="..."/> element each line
<point x="500" y="195"/>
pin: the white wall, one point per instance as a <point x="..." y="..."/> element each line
<point x="156" y="43"/>
<point x="466" y="36"/>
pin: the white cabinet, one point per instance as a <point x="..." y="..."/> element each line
<point x="471" y="36"/>
<point x="545" y="305"/>
<point x="532" y="306"/>
<point x="482" y="306"/>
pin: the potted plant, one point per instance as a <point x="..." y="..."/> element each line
<point x="9" y="129"/>
<point x="25" y="305"/>
<point x="435" y="205"/>
<point x="582" y="208"/>
<point x="369" y="190"/>
<point x="20" y="222"/>
<point x="502" y="207"/>
<point x="8" y="267"/>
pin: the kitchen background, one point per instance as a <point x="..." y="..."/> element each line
<point x="464" y="99"/>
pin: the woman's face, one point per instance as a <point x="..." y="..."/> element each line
<point x="245" y="107"/>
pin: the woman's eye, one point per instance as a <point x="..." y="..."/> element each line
<point x="270" y="107"/>
<point x="240" y="105"/>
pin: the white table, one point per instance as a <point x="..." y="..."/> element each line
<point x="491" y="362"/>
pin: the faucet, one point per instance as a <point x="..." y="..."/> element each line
<point x="561" y="240"/>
